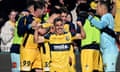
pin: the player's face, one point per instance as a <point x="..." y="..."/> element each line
<point x="12" y="16"/>
<point x="69" y="19"/>
<point x="99" y="9"/>
<point x="31" y="9"/>
<point x="64" y="17"/>
<point x="59" y="27"/>
<point x="39" y="12"/>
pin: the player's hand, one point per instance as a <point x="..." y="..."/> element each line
<point x="34" y="24"/>
<point x="79" y="23"/>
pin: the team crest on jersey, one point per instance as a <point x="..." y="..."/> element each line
<point x="67" y="38"/>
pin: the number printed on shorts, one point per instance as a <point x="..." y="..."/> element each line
<point x="26" y="63"/>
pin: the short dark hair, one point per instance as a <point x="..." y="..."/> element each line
<point x="54" y="11"/>
<point x="106" y="3"/>
<point x="39" y="5"/>
<point x="64" y="10"/>
<point x="69" y="13"/>
<point x="36" y="4"/>
<point x="57" y="19"/>
<point x="30" y="3"/>
<point x="82" y="7"/>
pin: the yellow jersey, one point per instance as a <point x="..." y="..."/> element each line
<point x="59" y="49"/>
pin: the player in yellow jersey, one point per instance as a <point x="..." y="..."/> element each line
<point x="68" y="27"/>
<point x="44" y="47"/>
<point x="30" y="57"/>
<point x="116" y="13"/>
<point x="59" y="43"/>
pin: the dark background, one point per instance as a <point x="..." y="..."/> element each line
<point x="7" y="5"/>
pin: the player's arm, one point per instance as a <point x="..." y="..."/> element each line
<point x="37" y="37"/>
<point x="99" y="23"/>
<point x="45" y="27"/>
<point x="49" y="27"/>
<point x="40" y="38"/>
<point x="82" y="34"/>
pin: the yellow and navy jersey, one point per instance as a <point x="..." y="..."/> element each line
<point x="24" y="24"/>
<point x="45" y="50"/>
<point x="25" y="30"/>
<point x="53" y="38"/>
<point x="59" y="47"/>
